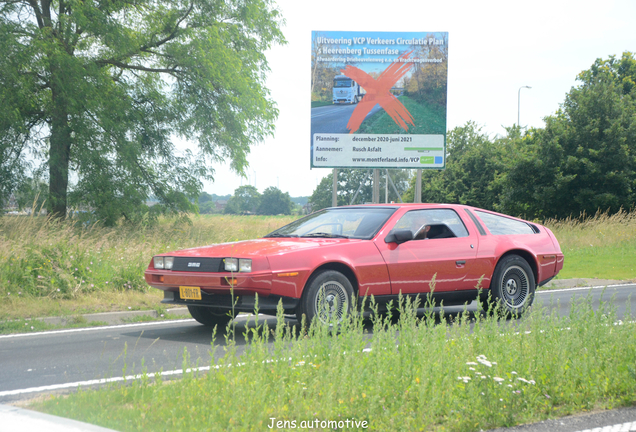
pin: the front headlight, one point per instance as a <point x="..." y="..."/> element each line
<point x="158" y="262"/>
<point x="238" y="265"/>
<point x="245" y="265"/>
<point x="231" y="264"/>
<point x="167" y="262"/>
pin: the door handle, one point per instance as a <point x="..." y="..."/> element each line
<point x="460" y="263"/>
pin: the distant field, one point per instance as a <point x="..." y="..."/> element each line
<point x="52" y="268"/>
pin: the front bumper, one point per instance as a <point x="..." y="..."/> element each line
<point x="238" y="303"/>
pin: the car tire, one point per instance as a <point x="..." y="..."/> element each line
<point x="513" y="286"/>
<point x="210" y="317"/>
<point x="328" y="297"/>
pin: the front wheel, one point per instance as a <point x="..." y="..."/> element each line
<point x="328" y="298"/>
<point x="210" y="317"/>
<point x="513" y="285"/>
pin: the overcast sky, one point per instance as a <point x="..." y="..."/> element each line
<point x="495" y="47"/>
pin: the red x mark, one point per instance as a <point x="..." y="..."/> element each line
<point x="379" y="92"/>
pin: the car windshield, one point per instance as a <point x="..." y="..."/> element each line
<point x="343" y="222"/>
<point x="342" y="83"/>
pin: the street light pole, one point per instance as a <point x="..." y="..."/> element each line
<point x="519" y="104"/>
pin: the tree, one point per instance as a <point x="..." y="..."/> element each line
<point x="246" y="199"/>
<point x="473" y="165"/>
<point x="101" y="89"/>
<point x="274" y="201"/>
<point x="585" y="158"/>
<point x="31" y="194"/>
<point x="349" y="180"/>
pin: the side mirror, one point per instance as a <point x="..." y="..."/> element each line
<point x="399" y="236"/>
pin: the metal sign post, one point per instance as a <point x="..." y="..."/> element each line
<point x="334" y="192"/>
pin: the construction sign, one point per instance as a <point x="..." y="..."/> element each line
<point x="378" y="99"/>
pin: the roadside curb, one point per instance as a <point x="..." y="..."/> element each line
<point x="111" y="317"/>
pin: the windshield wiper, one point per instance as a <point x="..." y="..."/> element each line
<point x="326" y="235"/>
<point x="279" y="235"/>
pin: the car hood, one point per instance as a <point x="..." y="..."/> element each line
<point x="259" y="247"/>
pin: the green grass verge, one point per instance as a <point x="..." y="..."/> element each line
<point x="419" y="374"/>
<point x="315" y="104"/>
<point x="600" y="247"/>
<point x="428" y="119"/>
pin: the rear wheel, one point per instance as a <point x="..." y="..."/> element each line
<point x="513" y="285"/>
<point x="210" y="317"/>
<point x="328" y="298"/>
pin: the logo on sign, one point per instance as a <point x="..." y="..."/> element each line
<point x="194" y="264"/>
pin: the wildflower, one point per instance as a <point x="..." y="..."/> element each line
<point x="499" y="380"/>
<point x="161" y="315"/>
<point x="75" y="268"/>
<point x="31" y="327"/>
<point x="40" y="276"/>
<point x="58" y="290"/>
<point x="92" y="285"/>
<point x="129" y="307"/>
<point x="471" y="363"/>
<point x="471" y="368"/>
<point x="547" y="396"/>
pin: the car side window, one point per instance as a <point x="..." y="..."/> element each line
<point x="498" y="225"/>
<point x="444" y="223"/>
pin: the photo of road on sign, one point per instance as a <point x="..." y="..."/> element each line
<point x="378" y="99"/>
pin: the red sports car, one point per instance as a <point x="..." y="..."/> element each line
<point x="318" y="264"/>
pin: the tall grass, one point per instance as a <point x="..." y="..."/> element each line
<point x="462" y="373"/>
<point x="48" y="266"/>
<point x="602" y="246"/>
<point x="41" y="258"/>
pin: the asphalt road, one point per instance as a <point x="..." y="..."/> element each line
<point x="44" y="362"/>
<point x="333" y="118"/>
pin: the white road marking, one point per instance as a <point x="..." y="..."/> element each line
<point x="547" y="291"/>
<point x="623" y="427"/>
<point x="54" y="332"/>
<point x="98" y="381"/>
<point x="118" y="326"/>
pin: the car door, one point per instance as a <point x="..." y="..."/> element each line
<point x="447" y="258"/>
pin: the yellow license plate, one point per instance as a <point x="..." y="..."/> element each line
<point x="189" y="293"/>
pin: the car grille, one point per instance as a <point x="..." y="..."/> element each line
<point x="204" y="264"/>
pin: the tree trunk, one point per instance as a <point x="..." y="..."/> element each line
<point x="59" y="148"/>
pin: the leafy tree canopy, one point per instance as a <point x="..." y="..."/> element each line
<point x="98" y="91"/>
<point x="584" y="160"/>
<point x="351" y="181"/>
<point x="274" y="201"/>
<point x="246" y="199"/>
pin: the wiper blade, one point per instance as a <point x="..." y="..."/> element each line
<point x="279" y="235"/>
<point x="325" y="235"/>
